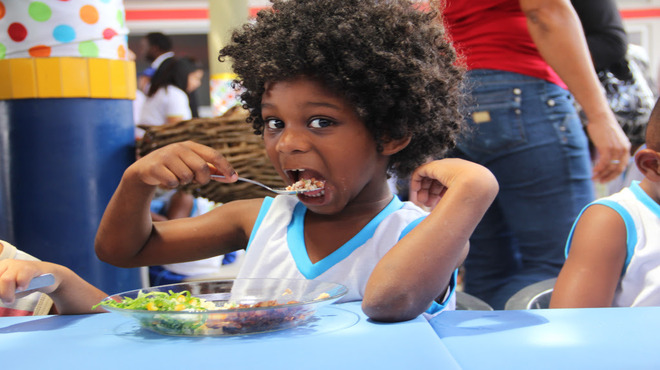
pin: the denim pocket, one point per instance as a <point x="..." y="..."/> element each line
<point x="564" y="119"/>
<point x="494" y="120"/>
<point x="569" y="130"/>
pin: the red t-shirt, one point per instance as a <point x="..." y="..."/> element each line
<point x="493" y="34"/>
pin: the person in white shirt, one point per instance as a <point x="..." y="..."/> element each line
<point x="167" y="98"/>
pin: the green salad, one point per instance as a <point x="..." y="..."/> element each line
<point x="158" y="310"/>
<point x="161" y="301"/>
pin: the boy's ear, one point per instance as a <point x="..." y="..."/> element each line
<point x="648" y="163"/>
<point x="391" y="147"/>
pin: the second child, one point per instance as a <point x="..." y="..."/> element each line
<point x="614" y="247"/>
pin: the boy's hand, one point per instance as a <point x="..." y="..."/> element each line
<point x="181" y="164"/>
<point x="17" y="274"/>
<point x="431" y="181"/>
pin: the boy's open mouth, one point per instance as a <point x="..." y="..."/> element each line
<point x="306" y="180"/>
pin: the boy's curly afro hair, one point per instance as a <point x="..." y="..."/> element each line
<point x="390" y="59"/>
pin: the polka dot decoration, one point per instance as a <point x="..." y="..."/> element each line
<point x="89" y="14"/>
<point x="64" y="33"/>
<point x="17" y="32"/>
<point x="40" y="51"/>
<point x="39" y="11"/>
<point x="63" y="28"/>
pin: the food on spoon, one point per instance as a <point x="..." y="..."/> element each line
<point x="306" y="185"/>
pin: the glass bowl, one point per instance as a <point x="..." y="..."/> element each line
<point x="265" y="305"/>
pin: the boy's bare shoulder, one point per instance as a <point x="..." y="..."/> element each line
<point x="600" y="230"/>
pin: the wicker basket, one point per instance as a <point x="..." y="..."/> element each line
<point x="234" y="138"/>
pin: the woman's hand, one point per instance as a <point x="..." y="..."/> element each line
<point x="612" y="145"/>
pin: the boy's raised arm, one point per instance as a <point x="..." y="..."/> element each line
<point x="126" y="227"/>
<point x="418" y="269"/>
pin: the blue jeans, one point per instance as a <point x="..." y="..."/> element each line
<point x="526" y="131"/>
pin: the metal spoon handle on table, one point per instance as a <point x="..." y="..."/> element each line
<point x="39" y="282"/>
<point x="277" y="191"/>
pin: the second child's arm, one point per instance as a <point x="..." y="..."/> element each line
<point x="127" y="237"/>
<point x="595" y="261"/>
<point x="419" y="267"/>
<point x="70" y="293"/>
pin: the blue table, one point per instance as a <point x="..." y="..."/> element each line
<point x="591" y="338"/>
<point x="341" y="338"/>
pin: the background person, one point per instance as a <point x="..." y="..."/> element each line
<point x="157" y="50"/>
<point x="623" y="71"/>
<point x="521" y="55"/>
<point x="167" y="98"/>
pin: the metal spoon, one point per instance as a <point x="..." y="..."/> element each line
<point x="277" y="191"/>
<point x="39" y="282"/>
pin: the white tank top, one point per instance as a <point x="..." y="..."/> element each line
<point x="277" y="248"/>
<point x="639" y="284"/>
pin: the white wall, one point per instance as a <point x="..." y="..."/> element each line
<point x="644" y="27"/>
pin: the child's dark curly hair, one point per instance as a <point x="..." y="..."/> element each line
<point x="390" y="59"/>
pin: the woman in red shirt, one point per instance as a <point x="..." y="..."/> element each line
<point x="523" y="57"/>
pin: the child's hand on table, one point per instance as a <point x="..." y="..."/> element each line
<point x="17" y="274"/>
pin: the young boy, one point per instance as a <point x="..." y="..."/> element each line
<point x="343" y="92"/>
<point x="614" y="247"/>
<point x="70" y="294"/>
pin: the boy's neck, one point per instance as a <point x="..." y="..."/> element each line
<point x="324" y="234"/>
<point x="652" y="189"/>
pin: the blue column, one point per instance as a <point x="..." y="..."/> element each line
<point x="66" y="158"/>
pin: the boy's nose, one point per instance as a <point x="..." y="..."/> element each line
<point x="292" y="140"/>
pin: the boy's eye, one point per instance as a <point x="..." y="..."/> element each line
<point x="273" y="123"/>
<point x="320" y="123"/>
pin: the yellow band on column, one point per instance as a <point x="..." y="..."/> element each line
<point x="67" y="77"/>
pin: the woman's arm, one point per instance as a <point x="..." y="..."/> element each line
<point x="419" y="267"/>
<point x="557" y="33"/>
<point x="595" y="261"/>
